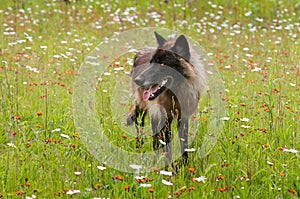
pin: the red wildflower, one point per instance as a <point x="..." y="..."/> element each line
<point x="191" y="170"/>
<point x="151" y="190"/>
<point x="127" y="187"/>
<point x="39" y="113"/>
<point x="292" y="191"/>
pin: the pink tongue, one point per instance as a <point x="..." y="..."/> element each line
<point x="147" y="93"/>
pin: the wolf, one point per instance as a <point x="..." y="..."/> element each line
<point x="167" y="82"/>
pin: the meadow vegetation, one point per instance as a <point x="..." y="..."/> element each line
<point x="255" y="46"/>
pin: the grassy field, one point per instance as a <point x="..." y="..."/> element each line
<point x="255" y="46"/>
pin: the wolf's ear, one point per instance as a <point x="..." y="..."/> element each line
<point x="181" y="47"/>
<point x="160" y="40"/>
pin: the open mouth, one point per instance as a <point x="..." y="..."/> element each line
<point x="155" y="90"/>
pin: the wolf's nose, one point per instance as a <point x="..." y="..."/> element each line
<point x="139" y="81"/>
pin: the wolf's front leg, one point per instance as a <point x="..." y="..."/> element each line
<point x="158" y="117"/>
<point x="162" y="138"/>
<point x="183" y="136"/>
<point x="168" y="138"/>
<point x="138" y="116"/>
<point x="156" y="128"/>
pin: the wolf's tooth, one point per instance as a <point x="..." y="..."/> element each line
<point x="164" y="82"/>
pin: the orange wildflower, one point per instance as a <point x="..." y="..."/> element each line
<point x="191" y="170"/>
<point x="222" y="189"/>
<point x="225" y="165"/>
<point x="39" y="113"/>
<point x="117" y="177"/>
<point x="20" y="192"/>
<point x="292" y="191"/>
<point x="17" y="117"/>
<point x="282" y="174"/>
<point x="127" y="187"/>
<point x="281" y="148"/>
<point x="151" y="190"/>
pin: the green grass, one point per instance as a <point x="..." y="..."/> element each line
<point x="54" y="38"/>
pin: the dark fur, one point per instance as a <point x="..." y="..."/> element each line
<point x="176" y="100"/>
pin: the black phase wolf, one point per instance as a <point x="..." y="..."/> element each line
<point x="167" y="82"/>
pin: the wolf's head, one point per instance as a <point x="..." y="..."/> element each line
<point x="167" y="66"/>
<point x="180" y="46"/>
